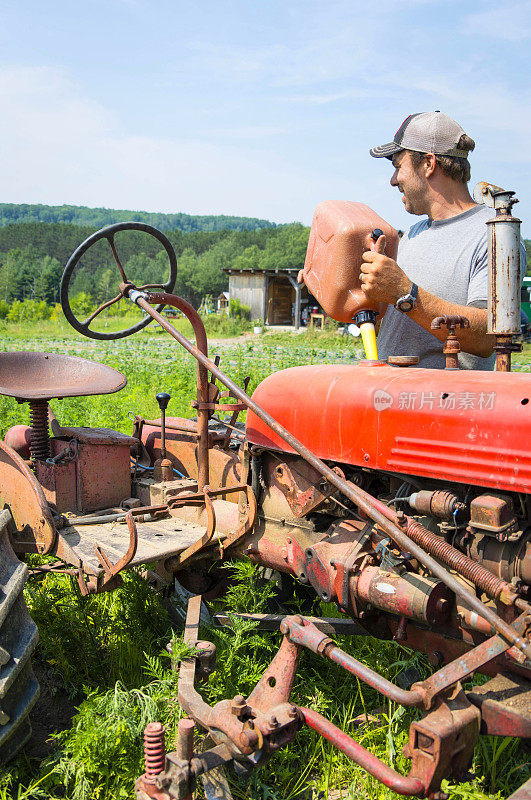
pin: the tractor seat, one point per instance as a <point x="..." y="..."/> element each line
<point x="43" y="376"/>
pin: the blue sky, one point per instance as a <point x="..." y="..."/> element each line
<point x="252" y="107"/>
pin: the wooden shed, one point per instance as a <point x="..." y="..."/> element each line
<point x="273" y="295"/>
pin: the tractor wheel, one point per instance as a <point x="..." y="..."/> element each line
<point x="18" y="638"/>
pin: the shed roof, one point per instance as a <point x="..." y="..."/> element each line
<point x="258" y="271"/>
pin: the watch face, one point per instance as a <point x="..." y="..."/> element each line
<point x="405" y="305"/>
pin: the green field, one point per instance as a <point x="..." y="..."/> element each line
<point x="105" y="656"/>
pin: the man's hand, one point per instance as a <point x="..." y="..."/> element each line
<point x="381" y="277"/>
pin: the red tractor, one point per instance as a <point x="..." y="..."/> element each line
<point x="401" y="495"/>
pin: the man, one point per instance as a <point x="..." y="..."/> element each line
<point x="442" y="260"/>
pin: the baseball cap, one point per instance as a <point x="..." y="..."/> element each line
<point x="427" y="132"/>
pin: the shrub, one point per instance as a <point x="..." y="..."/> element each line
<point x="238" y="310"/>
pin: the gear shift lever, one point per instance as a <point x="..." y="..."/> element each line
<point x="163" y="468"/>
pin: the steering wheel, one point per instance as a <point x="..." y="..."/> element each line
<point x="108" y="233"/>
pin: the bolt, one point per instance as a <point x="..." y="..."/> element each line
<point x="436" y="658"/>
<point x="366" y="457"/>
<point x="284" y="627"/>
<point x="293" y="712"/>
<point x="401" y="519"/>
<point x="238" y="706"/>
<point x="443" y="605"/>
<point x="273" y="722"/>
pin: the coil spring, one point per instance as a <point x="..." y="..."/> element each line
<point x="154" y="749"/>
<point x="471" y="570"/>
<point x="40" y="437"/>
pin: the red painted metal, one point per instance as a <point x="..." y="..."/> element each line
<point x="18" y="437"/>
<point x="454" y="426"/>
<point x="411" y="787"/>
<point x="23" y="495"/>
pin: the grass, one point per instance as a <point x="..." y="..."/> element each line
<point x="107" y="653"/>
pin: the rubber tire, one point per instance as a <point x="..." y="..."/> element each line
<point x="19" y="688"/>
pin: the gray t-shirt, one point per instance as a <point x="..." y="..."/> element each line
<point x="449" y="259"/>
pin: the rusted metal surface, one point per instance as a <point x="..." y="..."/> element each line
<point x="185" y="744"/>
<point x="443" y="551"/>
<point x="441" y="744"/>
<point x="154" y="750"/>
<point x="18" y="437"/>
<point x="305" y="634"/>
<point x="441" y="504"/>
<point x="73" y="478"/>
<point x="523" y="793"/>
<point x="112" y="570"/>
<point x="504" y="348"/>
<point x="410" y="595"/>
<point x="363" y="500"/>
<point x="42" y="376"/>
<point x="505" y="705"/>
<point x="272" y="622"/>
<point x="94" y="436"/>
<point x="451" y="644"/>
<point x="203" y="395"/>
<point x="202" y="498"/>
<point x="40" y="434"/>
<point x="493" y="513"/>
<point x="461" y="668"/>
<point x="181" y="449"/>
<point x="452" y="347"/>
<point x="406" y="785"/>
<point x="23" y="495"/>
<point x="234" y="416"/>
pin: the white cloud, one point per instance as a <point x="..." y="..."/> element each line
<point x="59" y="146"/>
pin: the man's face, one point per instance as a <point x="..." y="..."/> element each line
<point x="411" y="182"/>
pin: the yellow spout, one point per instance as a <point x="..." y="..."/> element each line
<point x="368" y="335"/>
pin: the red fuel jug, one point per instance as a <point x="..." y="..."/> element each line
<point x="341" y="232"/>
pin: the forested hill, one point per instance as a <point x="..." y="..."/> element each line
<point x="33" y="256"/>
<point x="99" y="217"/>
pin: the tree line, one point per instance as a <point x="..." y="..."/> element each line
<point x="11" y="213"/>
<point x="33" y="256"/>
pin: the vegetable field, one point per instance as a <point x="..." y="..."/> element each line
<point x="102" y="661"/>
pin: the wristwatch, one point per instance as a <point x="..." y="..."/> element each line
<point x="408" y="301"/>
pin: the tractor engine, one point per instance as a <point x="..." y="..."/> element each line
<point x="445" y="450"/>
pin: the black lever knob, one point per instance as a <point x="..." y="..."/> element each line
<point x="163" y="398"/>
<point x="377" y="232"/>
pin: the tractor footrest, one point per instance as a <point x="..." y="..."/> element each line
<point x="156" y="540"/>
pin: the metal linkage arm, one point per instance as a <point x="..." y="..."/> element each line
<point x="304" y="633"/>
<point x="402" y="784"/>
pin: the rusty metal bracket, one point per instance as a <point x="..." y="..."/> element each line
<point x="205" y="498"/>
<point x="200" y="498"/>
<point x="110" y="570"/>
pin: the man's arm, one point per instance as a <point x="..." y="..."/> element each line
<point x="383" y="280"/>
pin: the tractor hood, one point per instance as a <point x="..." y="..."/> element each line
<point x="463" y="426"/>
